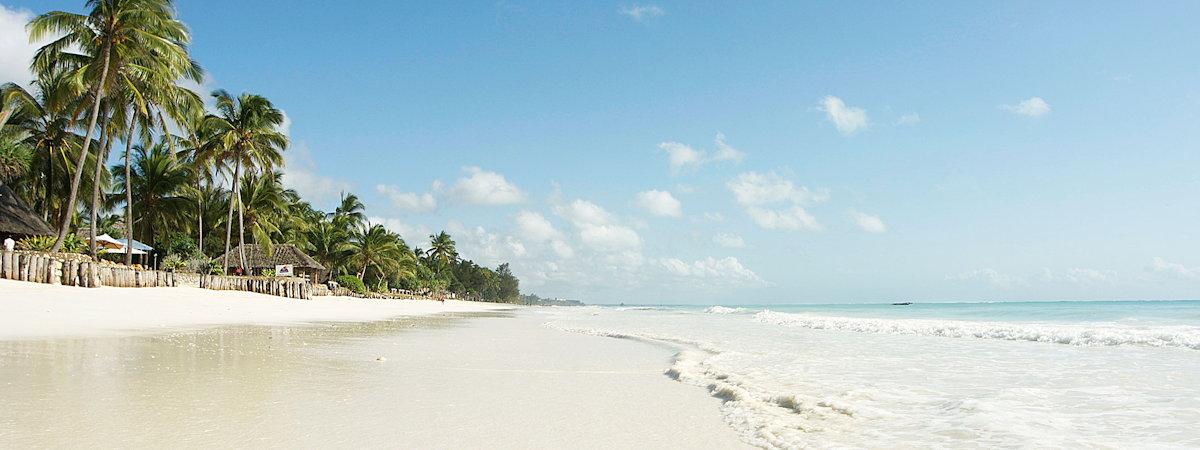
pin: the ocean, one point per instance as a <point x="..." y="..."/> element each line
<point x="1003" y="374"/>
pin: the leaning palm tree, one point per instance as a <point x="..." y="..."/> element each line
<point x="245" y="132"/>
<point x="264" y="202"/>
<point x="15" y="158"/>
<point x="99" y="46"/>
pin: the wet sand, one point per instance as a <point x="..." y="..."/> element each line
<point x="453" y="380"/>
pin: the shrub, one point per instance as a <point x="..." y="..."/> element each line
<point x="268" y="272"/>
<point x="73" y="244"/>
<point x="174" y="263"/>
<point x="36" y="243"/>
<point x="352" y="283"/>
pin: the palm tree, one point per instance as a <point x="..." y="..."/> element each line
<point x="350" y="212"/>
<point x="441" y="250"/>
<point x="244" y="132"/>
<point x="376" y="247"/>
<point x="159" y="182"/>
<point x="329" y="244"/>
<point x="46" y="118"/>
<point x="15" y="158"/>
<point x="116" y="38"/>
<point x="264" y="201"/>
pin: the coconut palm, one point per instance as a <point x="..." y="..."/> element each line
<point x="441" y="250"/>
<point x="264" y="201"/>
<point x="45" y="117"/>
<point x="329" y="244"/>
<point x="374" y="247"/>
<point x="159" y="183"/>
<point x="117" y="41"/>
<point x="15" y="158"/>
<point x="245" y="133"/>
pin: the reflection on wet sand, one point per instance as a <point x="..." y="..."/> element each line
<point x="200" y="387"/>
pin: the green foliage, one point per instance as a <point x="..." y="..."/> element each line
<point x="174" y="263"/>
<point x="352" y="283"/>
<point x="182" y="244"/>
<point x="74" y="244"/>
<point x="268" y="272"/>
<point x="15" y="159"/>
<point x="36" y="243"/>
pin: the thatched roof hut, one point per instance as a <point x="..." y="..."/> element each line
<point x="17" y="220"/>
<point x="281" y="254"/>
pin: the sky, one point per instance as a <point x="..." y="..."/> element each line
<point x="734" y="153"/>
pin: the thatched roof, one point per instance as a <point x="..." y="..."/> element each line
<point x="280" y="254"/>
<point x="18" y="219"/>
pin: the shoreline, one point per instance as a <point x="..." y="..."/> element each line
<point x="244" y="369"/>
<point x="41" y="311"/>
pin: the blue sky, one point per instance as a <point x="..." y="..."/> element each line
<point x="779" y="152"/>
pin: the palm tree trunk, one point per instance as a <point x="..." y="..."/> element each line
<point x="69" y="209"/>
<point x="101" y="157"/>
<point x="200" y="214"/>
<point x="49" y="184"/>
<point x="233" y="196"/>
<point x="242" y="230"/>
<point x="129" y="195"/>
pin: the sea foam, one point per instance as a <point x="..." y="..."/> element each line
<point x="1179" y="336"/>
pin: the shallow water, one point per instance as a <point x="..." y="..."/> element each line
<point x="1078" y="375"/>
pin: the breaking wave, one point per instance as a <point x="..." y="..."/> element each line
<point x="1187" y="337"/>
<point x="724" y="310"/>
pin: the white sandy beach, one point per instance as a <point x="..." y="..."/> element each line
<point x="149" y="368"/>
<point x="30" y="310"/>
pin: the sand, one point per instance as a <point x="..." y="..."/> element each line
<point x="31" y="310"/>
<point x="146" y="368"/>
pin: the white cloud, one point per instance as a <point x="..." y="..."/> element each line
<point x="794" y="218"/>
<point x="909" y="119"/>
<point x="642" y="12"/>
<point x="562" y="249"/>
<point x="848" y="119"/>
<point x="1082" y="276"/>
<point x="991" y="277"/>
<point x="16" y="52"/>
<point x="609" y="237"/>
<point x="729" y="240"/>
<point x="408" y="201"/>
<point x="714" y="216"/>
<point x="597" y="228"/>
<point x="536" y="228"/>
<point x="710" y="269"/>
<point x="682" y="156"/>
<point x="484" y="247"/>
<point x="774" y="202"/>
<point x="414" y="235"/>
<point x="1030" y="107"/>
<point x="300" y="173"/>
<point x="725" y="152"/>
<point x="753" y="188"/>
<point x="481" y="187"/>
<point x="1174" y="269"/>
<point x="659" y="203"/>
<point x="868" y="223"/>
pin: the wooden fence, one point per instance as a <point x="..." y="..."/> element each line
<point x="282" y="287"/>
<point x="74" y="271"/>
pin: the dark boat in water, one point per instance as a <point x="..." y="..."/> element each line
<point x="902" y="303"/>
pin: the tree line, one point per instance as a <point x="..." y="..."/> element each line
<point x="193" y="181"/>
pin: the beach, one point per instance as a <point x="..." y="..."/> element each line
<point x="153" y="367"/>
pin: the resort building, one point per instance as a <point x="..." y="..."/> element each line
<point x="281" y="255"/>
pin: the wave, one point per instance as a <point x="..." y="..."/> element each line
<point x="1186" y="337"/>
<point x="761" y="417"/>
<point x="718" y="309"/>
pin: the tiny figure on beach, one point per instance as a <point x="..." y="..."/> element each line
<point x="9" y="244"/>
